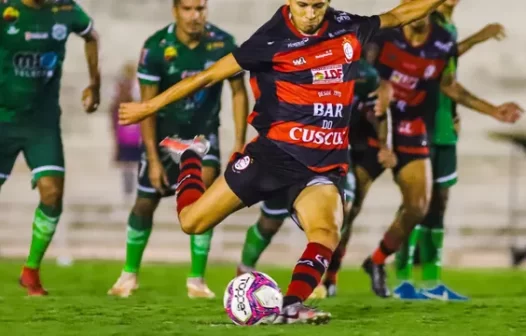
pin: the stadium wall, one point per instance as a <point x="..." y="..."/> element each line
<point x="94" y="220"/>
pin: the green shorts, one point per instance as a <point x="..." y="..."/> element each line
<point x="444" y="165"/>
<point x="276" y="208"/>
<point x="42" y="149"/>
<point x="145" y="188"/>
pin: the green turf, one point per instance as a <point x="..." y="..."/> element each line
<point x="78" y="305"/>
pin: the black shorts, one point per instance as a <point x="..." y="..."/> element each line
<point x="368" y="160"/>
<point x="264" y="171"/>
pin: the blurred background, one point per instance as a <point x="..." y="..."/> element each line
<point x="487" y="212"/>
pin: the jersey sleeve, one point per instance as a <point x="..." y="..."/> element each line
<point x="150" y="64"/>
<point x="365" y="27"/>
<point x="82" y="24"/>
<point x="256" y="53"/>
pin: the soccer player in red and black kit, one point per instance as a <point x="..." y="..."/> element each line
<point x="412" y="60"/>
<point x="302" y="147"/>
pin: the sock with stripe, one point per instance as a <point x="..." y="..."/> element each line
<point x="199" y="249"/>
<point x="44" y="227"/>
<point x="307" y="273"/>
<point x="138" y="234"/>
<point x="255" y="244"/>
<point x="334" y="267"/>
<point x="190" y="182"/>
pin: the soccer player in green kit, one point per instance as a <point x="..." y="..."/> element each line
<point x="173" y="53"/>
<point x="33" y="35"/>
<point x="430" y="234"/>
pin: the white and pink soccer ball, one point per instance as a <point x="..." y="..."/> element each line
<point x="253" y="298"/>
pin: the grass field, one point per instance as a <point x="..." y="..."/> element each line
<point x="78" y="305"/>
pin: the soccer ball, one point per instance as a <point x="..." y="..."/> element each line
<point x="252" y="298"/>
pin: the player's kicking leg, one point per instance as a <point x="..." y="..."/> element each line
<point x="259" y="235"/>
<point x="200" y="244"/>
<point x="414" y="180"/>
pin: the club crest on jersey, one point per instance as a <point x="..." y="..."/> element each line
<point x="328" y="75"/>
<point x="299" y="61"/>
<point x="59" y="31"/>
<point x="10" y="14"/>
<point x="348" y="50"/>
<point x="242" y="163"/>
<point x="170" y="53"/>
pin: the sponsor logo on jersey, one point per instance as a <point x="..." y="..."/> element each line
<point x="298" y="44"/>
<point x="215" y="45"/>
<point x="430" y="71"/>
<point x="348" y="50"/>
<point x="342" y="17"/>
<point x="328" y="75"/>
<point x="11" y="14"/>
<point x="59" y="31"/>
<point x="35" y="65"/>
<point x="321" y="137"/>
<point x="242" y="163"/>
<point x="299" y="61"/>
<point x="405" y="81"/>
<point x="12" y="30"/>
<point x="326" y="53"/>
<point x="36" y="36"/>
<point x="444" y="46"/>
<point x="170" y="53"/>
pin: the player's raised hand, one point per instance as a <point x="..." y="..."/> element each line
<point x="132" y="113"/>
<point x="493" y="31"/>
<point x="91" y="98"/>
<point x="508" y="112"/>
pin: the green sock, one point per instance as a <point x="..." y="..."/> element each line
<point x="254" y="246"/>
<point x="200" y="247"/>
<point x="406" y="255"/>
<point x="138" y="233"/>
<point x="44" y="226"/>
<point x="432" y="249"/>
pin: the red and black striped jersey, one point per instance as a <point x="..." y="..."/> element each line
<point x="415" y="73"/>
<point x="304" y="85"/>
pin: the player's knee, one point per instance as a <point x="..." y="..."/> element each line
<point x="268" y="227"/>
<point x="326" y="234"/>
<point x="416" y="209"/>
<point x="191" y="222"/>
<point x="51" y="194"/>
<point x="145" y="207"/>
<point x="439" y="201"/>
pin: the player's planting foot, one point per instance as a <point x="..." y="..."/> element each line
<point x="125" y="285"/>
<point x="299" y="313"/>
<point x="197" y="288"/>
<point x="407" y="291"/>
<point x="442" y="293"/>
<point x="242" y="269"/>
<point x="30" y="280"/>
<point x="319" y="292"/>
<point x="378" y="277"/>
<point x="177" y="146"/>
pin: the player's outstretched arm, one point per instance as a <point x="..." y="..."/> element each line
<point x="508" y="112"/>
<point x="91" y="95"/>
<point x="408" y="12"/>
<point x="491" y="31"/>
<point x="131" y="113"/>
<point x="240" y="110"/>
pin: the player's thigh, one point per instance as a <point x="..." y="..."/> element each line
<point x="218" y="202"/>
<point x="444" y="163"/>
<point x="10" y="145"/>
<point x="44" y="153"/>
<point x="319" y="209"/>
<point x="415" y="182"/>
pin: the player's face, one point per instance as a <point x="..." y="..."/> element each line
<point x="191" y="16"/>
<point x="308" y="15"/>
